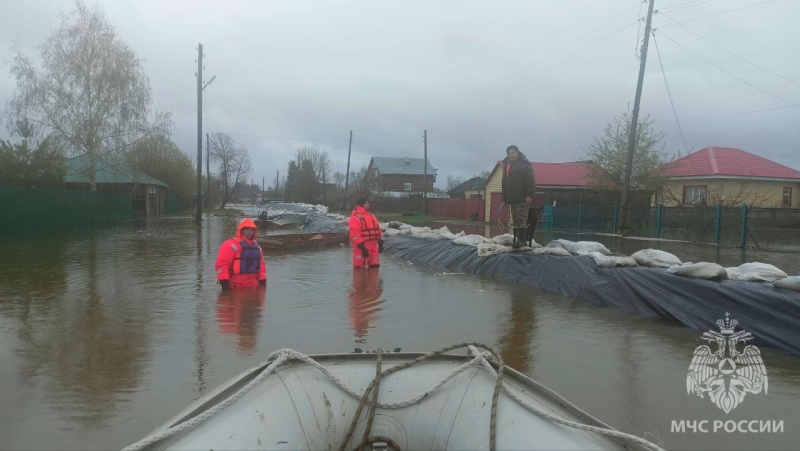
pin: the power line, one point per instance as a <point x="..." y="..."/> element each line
<point x="680" y="6"/>
<point x="732" y="75"/>
<point x="295" y="138"/>
<point x="506" y="96"/>
<point x="731" y="53"/>
<point x="508" y="80"/>
<point x="273" y="117"/>
<point x="669" y="94"/>
<point x="725" y="12"/>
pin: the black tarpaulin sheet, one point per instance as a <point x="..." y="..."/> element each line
<point x="771" y="314"/>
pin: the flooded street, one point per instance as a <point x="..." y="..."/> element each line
<point x="105" y="337"/>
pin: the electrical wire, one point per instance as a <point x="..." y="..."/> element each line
<point x="731" y="53"/>
<point x="729" y="73"/>
<point x="669" y="94"/>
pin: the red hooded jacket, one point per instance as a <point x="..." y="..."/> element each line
<point x="241" y="261"/>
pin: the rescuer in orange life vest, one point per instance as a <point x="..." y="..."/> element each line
<point x="240" y="260"/>
<point x="365" y="236"/>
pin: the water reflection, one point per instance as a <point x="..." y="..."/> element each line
<point x="364" y="302"/>
<point x="239" y="313"/>
<point x="90" y="348"/>
<point x="516" y="343"/>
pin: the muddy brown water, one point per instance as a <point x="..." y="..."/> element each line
<point x="104" y="337"/>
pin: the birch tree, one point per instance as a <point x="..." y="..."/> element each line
<point x="88" y="92"/>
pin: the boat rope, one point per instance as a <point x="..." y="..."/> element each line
<point x="277" y="358"/>
<point x="371" y="412"/>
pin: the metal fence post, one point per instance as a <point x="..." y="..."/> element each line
<point x="614" y="220"/>
<point x="744" y="226"/>
<point x="717" y="223"/>
<point x="658" y="221"/>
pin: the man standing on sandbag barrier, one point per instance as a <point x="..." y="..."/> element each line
<point x="519" y="186"/>
<point x="365" y="236"/>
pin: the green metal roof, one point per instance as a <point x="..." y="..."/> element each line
<point x="106" y="172"/>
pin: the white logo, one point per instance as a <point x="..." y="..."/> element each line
<point x="726" y="374"/>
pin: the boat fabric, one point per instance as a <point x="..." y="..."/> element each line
<point x="770" y="313"/>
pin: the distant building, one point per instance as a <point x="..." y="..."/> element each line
<point x="399" y="177"/>
<point x="474" y="188"/>
<point x="566" y="184"/>
<point x="147" y="194"/>
<point x="728" y="176"/>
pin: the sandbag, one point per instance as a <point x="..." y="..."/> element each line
<point x="612" y="261"/>
<point x="701" y="270"/>
<point x="788" y="283"/>
<point x="655" y="258"/>
<point x="755" y="271"/>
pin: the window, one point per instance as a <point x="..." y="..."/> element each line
<point x="787" y="197"/>
<point x="659" y="197"/>
<point x="407" y="186"/>
<point x="375" y="172"/>
<point x="694" y="195"/>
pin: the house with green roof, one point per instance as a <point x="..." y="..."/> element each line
<point x="148" y="194"/>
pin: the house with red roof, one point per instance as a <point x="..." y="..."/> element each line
<point x="567" y="184"/>
<point x="731" y="177"/>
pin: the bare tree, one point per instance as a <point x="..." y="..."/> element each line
<point x="453" y="182"/>
<point x="234" y="165"/>
<point x="91" y="94"/>
<point x="319" y="160"/>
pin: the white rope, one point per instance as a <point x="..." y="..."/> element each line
<point x="611" y="432"/>
<point x="281" y="356"/>
<point x="503" y="226"/>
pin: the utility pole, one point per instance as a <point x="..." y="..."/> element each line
<point x="206" y="200"/>
<point x="262" y="189"/>
<point x="324" y="194"/>
<point x="198" y="208"/>
<point x="623" y="226"/>
<point x="425" y="182"/>
<point x="347" y="174"/>
<point x="277" y="182"/>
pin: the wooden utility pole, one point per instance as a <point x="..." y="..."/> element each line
<point x="623" y="226"/>
<point x="324" y="195"/>
<point x="347" y="174"/>
<point x="206" y="198"/>
<point x="425" y="180"/>
<point x="198" y="208"/>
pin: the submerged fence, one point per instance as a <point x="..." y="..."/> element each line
<point x="25" y="211"/>
<point x="737" y="226"/>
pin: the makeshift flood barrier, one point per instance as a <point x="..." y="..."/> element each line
<point x="771" y="314"/>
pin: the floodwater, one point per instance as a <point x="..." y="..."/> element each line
<point x="105" y="337"/>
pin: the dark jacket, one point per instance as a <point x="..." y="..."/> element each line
<point x="518" y="180"/>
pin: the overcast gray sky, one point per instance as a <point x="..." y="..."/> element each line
<point x="478" y="76"/>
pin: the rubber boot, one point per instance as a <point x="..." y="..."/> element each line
<point x="518" y="234"/>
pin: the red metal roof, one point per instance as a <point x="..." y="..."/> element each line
<point x="713" y="161"/>
<point x="560" y="174"/>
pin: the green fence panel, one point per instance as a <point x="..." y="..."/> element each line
<point x="28" y="211"/>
